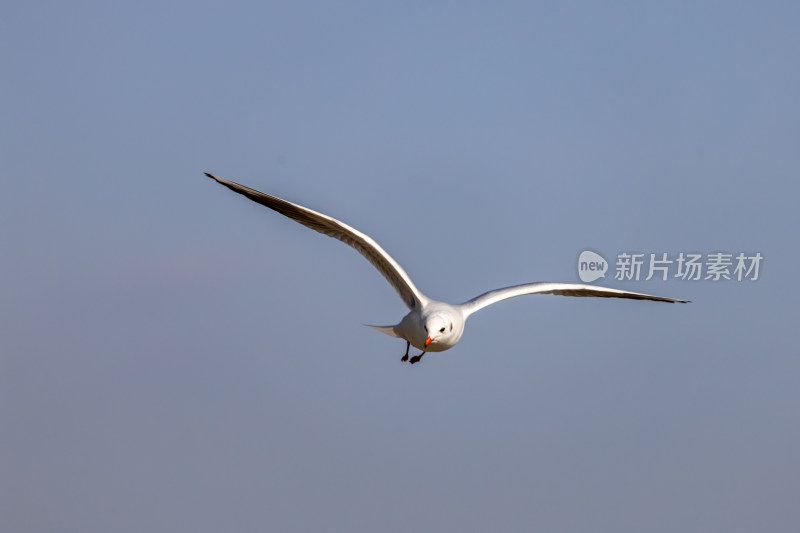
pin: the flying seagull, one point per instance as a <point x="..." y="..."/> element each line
<point x="430" y="325"/>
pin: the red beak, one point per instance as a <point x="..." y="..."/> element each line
<point x="428" y="341"/>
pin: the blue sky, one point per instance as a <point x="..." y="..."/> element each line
<point x="174" y="357"/>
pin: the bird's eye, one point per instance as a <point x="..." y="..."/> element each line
<point x="441" y="330"/>
<point x="426" y="329"/>
<point x="451" y="326"/>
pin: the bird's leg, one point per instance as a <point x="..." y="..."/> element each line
<point x="416" y="358"/>
<point x="405" y="357"/>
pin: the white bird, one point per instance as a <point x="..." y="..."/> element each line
<point x="430" y="325"/>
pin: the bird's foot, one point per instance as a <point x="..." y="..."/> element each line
<point x="404" y="358"/>
<point x="416" y="358"/>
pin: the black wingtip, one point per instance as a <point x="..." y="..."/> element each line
<point x="213" y="177"/>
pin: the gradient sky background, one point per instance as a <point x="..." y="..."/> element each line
<point x="176" y="358"/>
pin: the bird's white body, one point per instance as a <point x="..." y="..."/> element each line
<point x="430" y="326"/>
<point x="435" y="316"/>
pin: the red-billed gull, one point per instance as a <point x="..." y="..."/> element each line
<point x="430" y="325"/>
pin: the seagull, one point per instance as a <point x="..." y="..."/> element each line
<point x="430" y="325"/>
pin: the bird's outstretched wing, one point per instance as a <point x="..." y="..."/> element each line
<point x="331" y="227"/>
<point x="563" y="289"/>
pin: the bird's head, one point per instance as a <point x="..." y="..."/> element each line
<point x="442" y="330"/>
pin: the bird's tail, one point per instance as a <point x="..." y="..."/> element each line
<point x="388" y="330"/>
